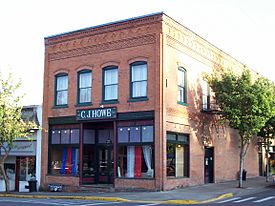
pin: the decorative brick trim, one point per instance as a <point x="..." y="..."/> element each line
<point x="181" y="38"/>
<point x="116" y="45"/>
<point x="103" y="29"/>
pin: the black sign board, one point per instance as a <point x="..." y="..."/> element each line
<point x="96" y="114"/>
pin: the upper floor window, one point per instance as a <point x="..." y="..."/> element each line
<point x="138" y="79"/>
<point x="110" y="84"/>
<point x="84" y="87"/>
<point x="61" y="89"/>
<point x="182" y="96"/>
<point x="205" y="96"/>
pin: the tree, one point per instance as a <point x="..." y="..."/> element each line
<point x="267" y="133"/>
<point x="246" y="105"/>
<point x="12" y="126"/>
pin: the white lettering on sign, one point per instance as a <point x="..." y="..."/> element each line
<point x="82" y="114"/>
<point x="90" y="114"/>
<point x="109" y="112"/>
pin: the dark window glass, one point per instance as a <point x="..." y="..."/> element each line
<point x="105" y="136"/>
<point x="171" y="136"/>
<point x="134" y="134"/>
<point x="89" y="136"/>
<point x="147" y="134"/>
<point x="56" y="136"/>
<point x="123" y="134"/>
<point x="182" y="138"/>
<point x="65" y="136"/>
<point x="75" y="136"/>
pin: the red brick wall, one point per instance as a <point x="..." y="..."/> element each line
<point x="165" y="45"/>
<point x="94" y="49"/>
<point x="186" y="49"/>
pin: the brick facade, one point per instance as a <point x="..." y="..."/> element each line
<point x="165" y="45"/>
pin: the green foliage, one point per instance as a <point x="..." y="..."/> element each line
<point x="11" y="124"/>
<point x="245" y="103"/>
<point x="268" y="131"/>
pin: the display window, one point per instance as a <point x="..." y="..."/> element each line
<point x="64" y="152"/>
<point x="135" y="152"/>
<point x="177" y="155"/>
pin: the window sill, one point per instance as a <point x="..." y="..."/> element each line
<point x="84" y="104"/>
<point x="137" y="178"/>
<point x="59" y="175"/>
<point x="183" y="103"/>
<point x="110" y="102"/>
<point x="173" y="177"/>
<point x="140" y="99"/>
<point x="60" y="106"/>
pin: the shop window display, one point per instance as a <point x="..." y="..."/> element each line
<point x="136" y="152"/>
<point x="177" y="155"/>
<point x="64" y="152"/>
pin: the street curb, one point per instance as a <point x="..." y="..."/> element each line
<point x="118" y="199"/>
<point x="192" y="202"/>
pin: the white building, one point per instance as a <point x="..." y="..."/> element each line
<point x="24" y="161"/>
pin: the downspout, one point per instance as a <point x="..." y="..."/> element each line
<point x="162" y="109"/>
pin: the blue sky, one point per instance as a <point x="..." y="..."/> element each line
<point x="245" y="29"/>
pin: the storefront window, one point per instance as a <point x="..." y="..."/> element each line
<point x="64" y="152"/>
<point x="10" y="171"/>
<point x="136" y="152"/>
<point x="177" y="164"/>
<point x="27" y="168"/>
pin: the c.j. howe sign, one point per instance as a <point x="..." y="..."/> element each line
<point x="96" y="114"/>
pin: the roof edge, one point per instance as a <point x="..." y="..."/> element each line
<point x="103" y="25"/>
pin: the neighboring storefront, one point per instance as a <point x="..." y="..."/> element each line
<point x="125" y="104"/>
<point x="24" y="160"/>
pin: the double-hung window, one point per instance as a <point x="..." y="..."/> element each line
<point x="138" y="80"/>
<point x="182" y="96"/>
<point x="205" y="96"/>
<point x="84" y="87"/>
<point x="61" y="90"/>
<point x="110" y="84"/>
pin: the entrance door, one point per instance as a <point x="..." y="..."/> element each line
<point x="105" y="164"/>
<point x="209" y="165"/>
<point x="98" y="156"/>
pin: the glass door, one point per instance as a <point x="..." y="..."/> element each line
<point x="89" y="157"/>
<point x="105" y="164"/>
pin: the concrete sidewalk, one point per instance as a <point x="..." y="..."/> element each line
<point x="189" y="195"/>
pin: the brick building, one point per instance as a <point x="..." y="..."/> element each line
<point x="125" y="104"/>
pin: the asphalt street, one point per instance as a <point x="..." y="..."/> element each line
<point x="61" y="202"/>
<point x="266" y="198"/>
